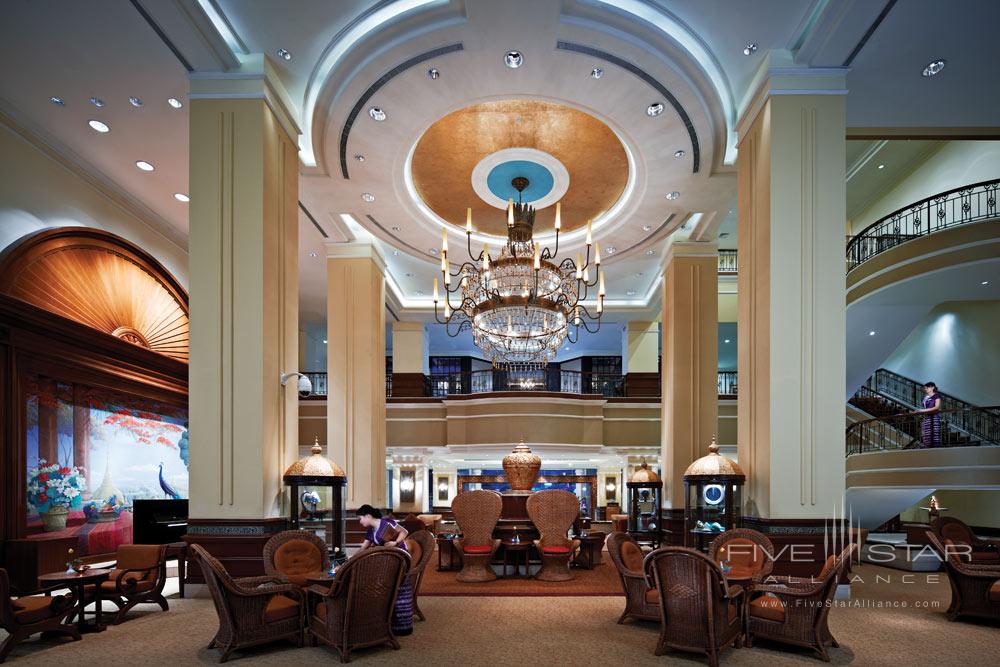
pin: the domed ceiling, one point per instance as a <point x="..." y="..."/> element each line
<point x="469" y="158"/>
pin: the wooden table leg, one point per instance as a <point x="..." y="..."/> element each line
<point x="181" y="572"/>
<point x="81" y="604"/>
<point x="98" y="627"/>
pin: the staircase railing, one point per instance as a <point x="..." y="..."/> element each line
<point x="913" y="430"/>
<point x="961" y="206"/>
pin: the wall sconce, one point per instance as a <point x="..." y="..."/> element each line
<point x="610" y="488"/>
<point x="442" y="488"/>
<point x="407" y="486"/>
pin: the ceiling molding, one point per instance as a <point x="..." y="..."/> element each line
<point x="61" y="154"/>
<point x="162" y="35"/>
<point x="649" y="79"/>
<point x="868" y="33"/>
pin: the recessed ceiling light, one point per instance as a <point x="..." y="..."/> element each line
<point x="650" y="252"/>
<point x="359" y="157"/>
<point x="750" y="49"/>
<point x="566" y="348"/>
<point x="630" y="292"/>
<point x="174" y="102"/>
<point x="872" y="332"/>
<point x="432" y="251"/>
<point x="408" y="275"/>
<point x="98" y="126"/>
<point x="654" y="109"/>
<point x="395" y="253"/>
<point x="145" y="166"/>
<point x="97" y="102"/>
<point x="881" y="166"/>
<point x="135" y="101"/>
<point x="680" y="153"/>
<point x="610" y="249"/>
<point x="985" y="282"/>
<point x="934" y="67"/>
<point x="726" y="341"/>
<point x="395" y="228"/>
<point x="419" y="293"/>
<point x="377" y="114"/>
<point x="596" y="73"/>
<point x="313" y="253"/>
<point x="324" y="341"/>
<point x="638" y="274"/>
<point x="180" y="196"/>
<point x="284" y="54"/>
<point x="434" y="73"/>
<point x="57" y="100"/>
<point x="672" y="195"/>
<point x="368" y="197"/>
<point x="513" y="59"/>
<point x="647" y="228"/>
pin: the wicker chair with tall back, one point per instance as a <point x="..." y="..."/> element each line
<point x="981" y="551"/>
<point x="641" y="601"/>
<point x="295" y="555"/>
<point x="748" y="554"/>
<point x="420" y="546"/>
<point x="705" y="613"/>
<point x="477" y="513"/>
<point x="975" y="587"/>
<point x="26" y="616"/>
<point x="356" y="610"/>
<point x="251" y="610"/>
<point x="553" y="512"/>
<point x="138" y="577"/>
<point x="797" y="613"/>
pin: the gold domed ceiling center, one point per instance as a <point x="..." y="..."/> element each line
<point x="446" y="155"/>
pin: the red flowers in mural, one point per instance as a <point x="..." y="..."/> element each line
<point x="145" y="427"/>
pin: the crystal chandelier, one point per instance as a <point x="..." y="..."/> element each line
<point x="521" y="305"/>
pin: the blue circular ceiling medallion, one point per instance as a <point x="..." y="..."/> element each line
<point x="540" y="180"/>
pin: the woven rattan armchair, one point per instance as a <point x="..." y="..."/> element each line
<point x="251" y="610"/>
<point x="797" y="613"/>
<point x="553" y="512"/>
<point x="705" y="613"/>
<point x="975" y="587"/>
<point x="356" y="610"/>
<point x="982" y="551"/>
<point x="641" y="601"/>
<point x="477" y="513"/>
<point x="295" y="555"/>
<point x="26" y="616"/>
<point x="748" y="554"/>
<point x="420" y="546"/>
<point x="138" y="577"/>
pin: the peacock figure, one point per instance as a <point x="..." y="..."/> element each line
<point x="167" y="489"/>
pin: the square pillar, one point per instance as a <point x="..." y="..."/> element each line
<point x="244" y="296"/>
<point x="690" y="361"/>
<point x="356" y="369"/>
<point x="409" y="359"/>
<point x="642" y="359"/>
<point x="792" y="207"/>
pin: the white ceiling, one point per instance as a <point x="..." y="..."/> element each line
<point x="109" y="49"/>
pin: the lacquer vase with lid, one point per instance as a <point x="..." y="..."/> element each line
<point x="521" y="468"/>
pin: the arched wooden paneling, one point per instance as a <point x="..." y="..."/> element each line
<point x="100" y="280"/>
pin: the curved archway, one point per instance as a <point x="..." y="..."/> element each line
<point x="100" y="280"/>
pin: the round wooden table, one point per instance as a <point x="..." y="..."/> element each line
<point x="76" y="581"/>
<point x="516" y="549"/>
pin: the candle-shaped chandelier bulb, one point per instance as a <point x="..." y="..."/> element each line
<point x="435" y="290"/>
<point x="597" y="253"/>
<point x="444" y="240"/>
<point x="510" y="212"/>
<point x="600" y="288"/>
<point x="444" y="263"/>
<point x="558" y="215"/>
<point x="486" y="257"/>
<point x="579" y="266"/>
<point x="590" y="236"/>
<point x="468" y="221"/>
<point x="538" y="258"/>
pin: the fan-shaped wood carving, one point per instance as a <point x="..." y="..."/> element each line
<point x="100" y="280"/>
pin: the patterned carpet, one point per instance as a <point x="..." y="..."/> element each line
<point x="602" y="580"/>
<point x="885" y="628"/>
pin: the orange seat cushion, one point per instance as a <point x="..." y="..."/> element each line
<point x="477" y="548"/>
<point x="632" y="556"/>
<point x="137" y="556"/>
<point x="768" y="607"/>
<point x="35" y="608"/>
<point x="280" y="608"/>
<point x="555" y="550"/>
<point x="994" y="594"/>
<point x="298" y="557"/>
<point x="652" y="596"/>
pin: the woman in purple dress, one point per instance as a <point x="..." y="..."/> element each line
<point x="931" y="427"/>
<point x="386" y="532"/>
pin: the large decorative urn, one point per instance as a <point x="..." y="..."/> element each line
<point x="521" y="468"/>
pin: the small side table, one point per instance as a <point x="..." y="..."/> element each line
<point x="589" y="552"/>
<point x="746" y="583"/>
<point x="516" y="549"/>
<point x="449" y="558"/>
<point x="178" y="550"/>
<point x="77" y="581"/>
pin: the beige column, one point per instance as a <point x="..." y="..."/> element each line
<point x="792" y="208"/>
<point x="642" y="358"/>
<point x="409" y="351"/>
<point x="244" y="294"/>
<point x="356" y="368"/>
<point x="690" y="361"/>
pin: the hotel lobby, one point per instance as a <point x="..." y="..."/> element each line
<point x="582" y="331"/>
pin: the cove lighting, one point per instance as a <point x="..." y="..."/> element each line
<point x="98" y="126"/>
<point x="181" y="197"/>
<point x="145" y="166"/>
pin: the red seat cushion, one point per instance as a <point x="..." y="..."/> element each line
<point x="555" y="550"/>
<point x="477" y="548"/>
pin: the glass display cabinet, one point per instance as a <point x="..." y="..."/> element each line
<point x="713" y="487"/>
<point x="318" y="489"/>
<point x="645" y="503"/>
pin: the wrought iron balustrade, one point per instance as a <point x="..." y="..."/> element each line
<point x="727" y="383"/>
<point x="961" y="206"/>
<point x="728" y="262"/>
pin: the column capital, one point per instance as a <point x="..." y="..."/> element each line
<point x="356" y="250"/>
<point x="778" y="74"/>
<point x="690" y="249"/>
<point x="255" y="79"/>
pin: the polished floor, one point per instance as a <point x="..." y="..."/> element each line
<point x="889" y="629"/>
